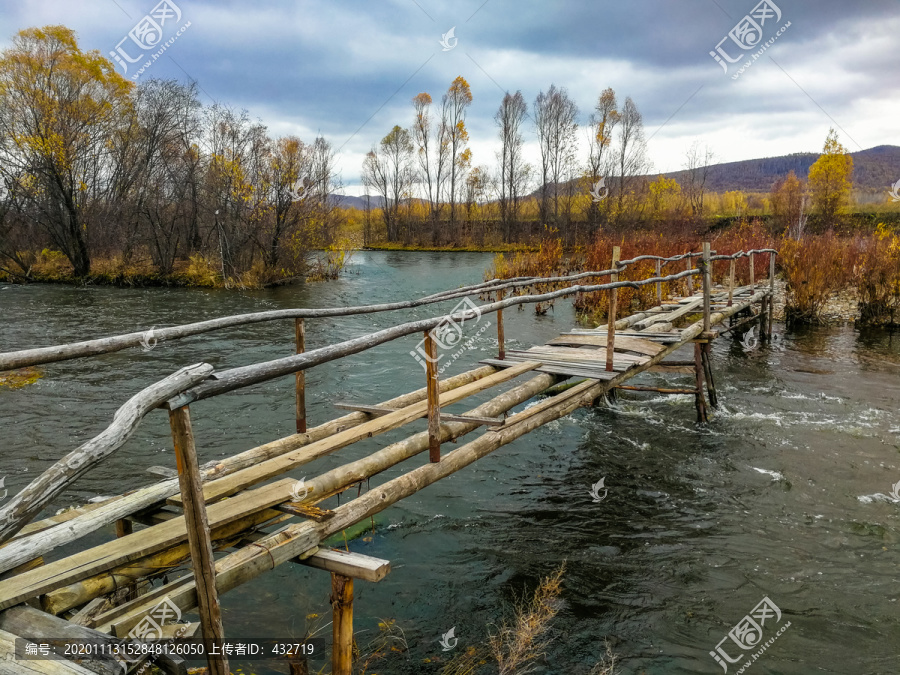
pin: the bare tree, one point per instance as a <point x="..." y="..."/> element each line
<point x="555" y="121"/>
<point x="631" y="154"/>
<point x="432" y="157"/>
<point x="513" y="169"/>
<point x="698" y="160"/>
<point x="388" y="170"/>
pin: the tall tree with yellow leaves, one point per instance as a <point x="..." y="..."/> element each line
<point x="830" y="180"/>
<point x="453" y="122"/>
<point x="59" y="106"/>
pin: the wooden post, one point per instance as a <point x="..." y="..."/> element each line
<point x="771" y="294"/>
<point x="611" y="319"/>
<point x="707" y="284"/>
<point x="658" y="283"/>
<point x="752" y="276"/>
<point x="731" y="281"/>
<point x="699" y="401"/>
<point x="124" y="527"/>
<point x="300" y="336"/>
<point x="342" y="624"/>
<point x="434" y="408"/>
<point x="706" y="353"/>
<point x="198" y="533"/>
<point x="500" y="336"/>
<point x="690" y="280"/>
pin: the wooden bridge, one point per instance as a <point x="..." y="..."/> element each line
<point x="104" y="592"/>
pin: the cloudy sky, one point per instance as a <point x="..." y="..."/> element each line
<point x="347" y="69"/>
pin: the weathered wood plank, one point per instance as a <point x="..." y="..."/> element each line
<point x="378" y="410"/>
<point x="37" y="625"/>
<point x="9" y="665"/>
<point x="134" y="546"/>
<point x="251" y="476"/>
<point x="353" y="565"/>
<point x="623" y="343"/>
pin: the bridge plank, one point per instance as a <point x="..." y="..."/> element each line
<point x="240" y="480"/>
<point x="623" y="343"/>
<point x="134" y="546"/>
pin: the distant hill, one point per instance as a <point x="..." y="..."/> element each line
<point x="873" y="169"/>
<point x="351" y="202"/>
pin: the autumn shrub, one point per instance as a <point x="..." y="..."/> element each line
<point x="200" y="271"/>
<point x="52" y="266"/>
<point x="814" y="268"/>
<point x="877" y="276"/>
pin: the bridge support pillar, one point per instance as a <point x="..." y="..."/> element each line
<point x="699" y="399"/>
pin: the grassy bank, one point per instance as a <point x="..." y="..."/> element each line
<point x="815" y="268"/>
<point x="197" y="271"/>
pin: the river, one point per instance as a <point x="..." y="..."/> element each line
<point x="785" y="495"/>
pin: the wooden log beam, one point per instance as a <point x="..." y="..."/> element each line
<point x="501" y="336"/>
<point x="240" y="480"/>
<point x="658" y="390"/>
<point x="43" y="489"/>
<point x="434" y="406"/>
<point x="300" y="376"/>
<point x="731" y="265"/>
<point x="378" y="410"/>
<point x="707" y="285"/>
<point x="699" y="401"/>
<point x="611" y="319"/>
<point x="342" y="625"/>
<point x="198" y="534"/>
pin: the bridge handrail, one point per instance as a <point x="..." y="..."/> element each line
<point x="95" y="347"/>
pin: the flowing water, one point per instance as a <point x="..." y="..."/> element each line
<point x="786" y="494"/>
